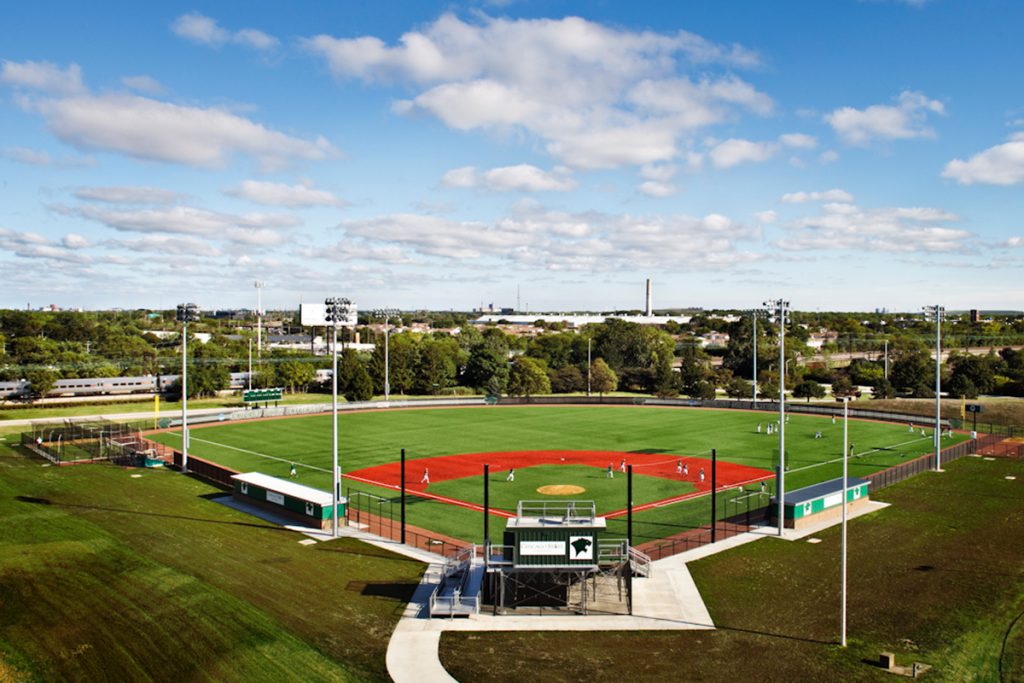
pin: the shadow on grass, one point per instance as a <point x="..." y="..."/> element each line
<point x="652" y="451"/>
<point x="402" y="592"/>
<point x="769" y="634"/>
<point x="142" y="513"/>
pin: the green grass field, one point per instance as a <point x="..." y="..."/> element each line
<point x="109" y="576"/>
<point x="372" y="438"/>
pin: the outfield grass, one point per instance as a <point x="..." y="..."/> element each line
<point x="608" y="494"/>
<point x="375" y="437"/>
<point x="937" y="578"/>
<point x="104" y="576"/>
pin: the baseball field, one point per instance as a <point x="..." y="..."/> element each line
<point x="586" y="448"/>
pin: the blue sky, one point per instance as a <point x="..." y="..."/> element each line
<point x="846" y="155"/>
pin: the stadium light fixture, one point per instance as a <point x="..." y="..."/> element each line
<point x="846" y="485"/>
<point x="336" y="313"/>
<point x="935" y="314"/>
<point x="186" y="313"/>
<point x="778" y="310"/>
<point x="387" y="314"/>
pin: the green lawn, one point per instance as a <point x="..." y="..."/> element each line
<point x="105" y="576"/>
<point x="375" y="437"/>
<point x="937" y="578"/>
<point x="608" y="494"/>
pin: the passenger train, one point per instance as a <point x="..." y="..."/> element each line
<point x="111" y="386"/>
<point x="101" y="386"/>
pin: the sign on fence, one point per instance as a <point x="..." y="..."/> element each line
<point x="261" y="395"/>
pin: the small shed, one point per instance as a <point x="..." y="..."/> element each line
<point x="302" y="504"/>
<point x="820" y="502"/>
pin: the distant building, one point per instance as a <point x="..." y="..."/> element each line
<point x="975" y="315"/>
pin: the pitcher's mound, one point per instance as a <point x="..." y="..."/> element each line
<point x="560" y="489"/>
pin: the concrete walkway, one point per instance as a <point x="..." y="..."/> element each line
<point x="668" y="600"/>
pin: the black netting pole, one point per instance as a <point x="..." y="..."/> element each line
<point x="403" y="496"/>
<point x="487" y="504"/>
<point x="714" y="490"/>
<point x="629" y="509"/>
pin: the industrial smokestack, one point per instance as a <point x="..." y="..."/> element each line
<point x="648" y="309"/>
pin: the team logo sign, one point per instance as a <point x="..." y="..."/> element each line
<point x="581" y="548"/>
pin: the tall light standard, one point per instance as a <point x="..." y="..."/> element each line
<point x="846" y="486"/>
<point x="186" y="313"/>
<point x="779" y="310"/>
<point x="387" y="314"/>
<point x="259" y="319"/>
<point x="753" y="317"/>
<point x="336" y="313"/>
<point x="935" y="314"/>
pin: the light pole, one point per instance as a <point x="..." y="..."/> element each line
<point x="186" y="313"/>
<point x="846" y="485"/>
<point x="259" y="319"/>
<point x="588" y="366"/>
<point x="387" y="314"/>
<point x="779" y="309"/>
<point x="935" y="314"/>
<point x="753" y="316"/>
<point x="336" y="313"/>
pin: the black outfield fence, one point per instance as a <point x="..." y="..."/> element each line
<point x="382" y="516"/>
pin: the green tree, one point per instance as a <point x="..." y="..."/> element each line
<point x="354" y="382"/>
<point x="487" y="369"/>
<point x="40" y="381"/>
<point x="567" y="380"/>
<point x="602" y="378"/>
<point x="739" y="388"/>
<point x="882" y="388"/>
<point x="842" y="386"/>
<point x="808" y="389"/>
<point x="437" y="365"/>
<point x="702" y="390"/>
<point x="293" y="374"/>
<point x="527" y="377"/>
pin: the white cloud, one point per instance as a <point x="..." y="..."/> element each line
<point x="1015" y="241"/>
<point x="167" y="244"/>
<point x="766" y="217"/>
<point x="280" y="194"/>
<point x="907" y="119"/>
<point x="658" y="179"/>
<point x="31" y="157"/>
<point x="999" y="165"/>
<point x="735" y="152"/>
<point x="30" y="245"/>
<point x="466" y="176"/>
<point x="256" y="39"/>
<point x="75" y="241"/>
<point x="258" y="229"/>
<point x="597" y="96"/>
<point x="144" y="84"/>
<point x="152" y="129"/>
<point x="201" y="29"/>
<point x="828" y="156"/>
<point x="834" y="195"/>
<point x="129" y="195"/>
<point x="900" y="229"/>
<point x="561" y="241"/>
<point x="521" y="178"/>
<point x="798" y="141"/>
<point x="43" y="76"/>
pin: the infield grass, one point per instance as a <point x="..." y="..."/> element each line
<point x="608" y="494"/>
<point x="376" y="437"/>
